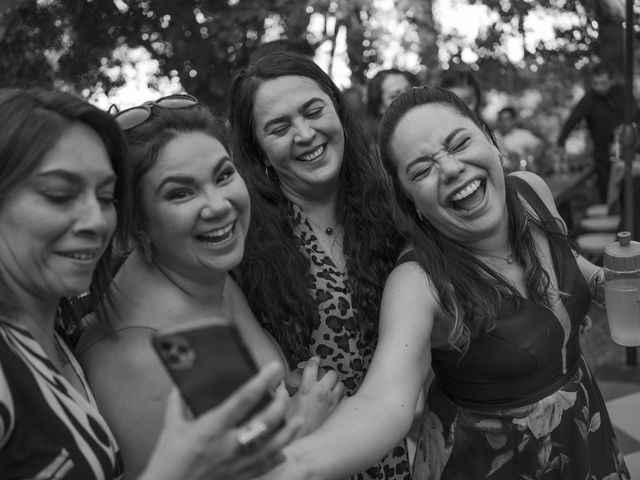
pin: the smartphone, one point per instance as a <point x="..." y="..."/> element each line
<point x="207" y="362"/>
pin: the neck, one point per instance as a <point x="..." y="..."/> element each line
<point x="35" y="310"/>
<point x="206" y="290"/>
<point x="319" y="199"/>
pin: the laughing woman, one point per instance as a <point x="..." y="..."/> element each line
<point x="491" y="297"/>
<point x="322" y="241"/>
<point x="191" y="215"/>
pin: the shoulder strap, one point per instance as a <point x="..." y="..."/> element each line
<point x="529" y="194"/>
<point x="409" y="256"/>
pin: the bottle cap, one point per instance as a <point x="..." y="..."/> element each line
<point x="623" y="255"/>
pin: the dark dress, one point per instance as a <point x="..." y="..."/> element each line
<point x="522" y="402"/>
<point x="48" y="430"/>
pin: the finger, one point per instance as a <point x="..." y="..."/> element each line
<point x="310" y="373"/>
<point x="239" y="404"/>
<point x="339" y="390"/>
<point x="329" y="379"/>
<point x="176" y="411"/>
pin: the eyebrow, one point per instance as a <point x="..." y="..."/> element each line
<point x="186" y="180"/>
<point x="284" y="118"/>
<point x="73" y="177"/>
<point x="423" y="158"/>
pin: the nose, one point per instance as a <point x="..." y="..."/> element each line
<point x="215" y="204"/>
<point x="450" y="167"/>
<point x="304" y="132"/>
<point x="92" y="218"/>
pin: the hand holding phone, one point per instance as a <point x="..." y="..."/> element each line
<point x="206" y="361"/>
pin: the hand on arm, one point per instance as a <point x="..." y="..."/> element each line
<point x="365" y="427"/>
<point x="317" y="395"/>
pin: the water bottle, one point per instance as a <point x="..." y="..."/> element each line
<point x="622" y="289"/>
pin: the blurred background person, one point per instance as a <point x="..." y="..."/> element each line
<point x="523" y="148"/>
<point x="465" y="84"/>
<point x="382" y="89"/>
<point x="602" y="107"/>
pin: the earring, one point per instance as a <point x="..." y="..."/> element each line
<point x="146" y="249"/>
<point x="419" y="215"/>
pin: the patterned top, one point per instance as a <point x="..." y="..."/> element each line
<point x="48" y="430"/>
<point x="337" y="339"/>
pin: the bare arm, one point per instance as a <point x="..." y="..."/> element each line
<point x="130" y="387"/>
<point x="368" y="425"/>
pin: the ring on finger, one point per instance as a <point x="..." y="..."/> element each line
<point x="251" y="433"/>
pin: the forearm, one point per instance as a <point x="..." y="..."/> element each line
<point x="358" y="434"/>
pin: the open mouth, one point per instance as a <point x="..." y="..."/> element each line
<point x="217" y="236"/>
<point x="82" y="255"/>
<point x="469" y="197"/>
<point x="313" y="154"/>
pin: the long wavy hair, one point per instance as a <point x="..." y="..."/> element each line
<point x="275" y="273"/>
<point x="468" y="291"/>
<point x="32" y="123"/>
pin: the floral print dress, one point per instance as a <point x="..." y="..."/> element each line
<point x="338" y="340"/>
<point x="522" y="402"/>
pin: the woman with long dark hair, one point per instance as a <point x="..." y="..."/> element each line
<point x="321" y="241"/>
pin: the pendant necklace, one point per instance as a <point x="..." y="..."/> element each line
<point x="329" y="230"/>
<point x="509" y="258"/>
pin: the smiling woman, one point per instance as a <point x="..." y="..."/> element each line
<point x="321" y="242"/>
<point x="191" y="218"/>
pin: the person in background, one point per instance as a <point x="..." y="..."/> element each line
<point x="464" y="83"/>
<point x="602" y="107"/>
<point x="518" y="143"/>
<point x="488" y="294"/>
<point x="382" y="89"/>
<point x="191" y="215"/>
<point x="321" y="242"/>
<point x="64" y="189"/>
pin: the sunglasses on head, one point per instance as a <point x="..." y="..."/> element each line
<point x="134" y="116"/>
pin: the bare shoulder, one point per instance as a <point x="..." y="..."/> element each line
<point x="408" y="287"/>
<point x="537" y="183"/>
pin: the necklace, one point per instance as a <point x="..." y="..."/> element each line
<point x="509" y="258"/>
<point x="328" y="230"/>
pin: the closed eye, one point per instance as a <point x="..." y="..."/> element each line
<point x="459" y="144"/>
<point x="315" y="112"/>
<point x="422" y="171"/>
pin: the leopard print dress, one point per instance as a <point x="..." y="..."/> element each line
<point x="338" y="340"/>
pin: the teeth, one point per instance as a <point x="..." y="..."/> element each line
<point x="466" y="191"/>
<point x="79" y="255"/>
<point x="219" y="232"/>
<point x="313" y="155"/>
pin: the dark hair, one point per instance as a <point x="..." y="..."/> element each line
<point x="147" y="139"/>
<point x="463" y="77"/>
<point x="274" y="273"/>
<point x="374" y="88"/>
<point x="510" y="110"/>
<point x="468" y="291"/>
<point x="301" y="46"/>
<point x="32" y="123"/>
<point x="602" y="69"/>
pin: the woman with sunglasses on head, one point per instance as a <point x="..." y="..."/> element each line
<point x="190" y="216"/>
<point x="490" y="295"/>
<point x="64" y="190"/>
<point x="321" y="242"/>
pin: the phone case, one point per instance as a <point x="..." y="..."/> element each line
<point x="207" y="362"/>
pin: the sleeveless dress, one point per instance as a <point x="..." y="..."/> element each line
<point x="338" y="340"/>
<point x="522" y="402"/>
<point x="48" y="430"/>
